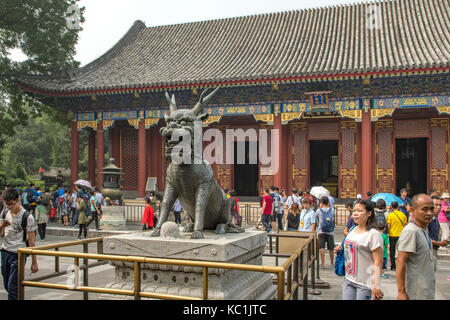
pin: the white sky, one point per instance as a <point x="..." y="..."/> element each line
<point x="108" y="20"/>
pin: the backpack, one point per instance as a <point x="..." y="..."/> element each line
<point x="30" y="196"/>
<point x="276" y="202"/>
<point x="45" y="201"/>
<point x="327" y="224"/>
<point x="380" y="218"/>
<point x="339" y="261"/>
<point x="87" y="202"/>
<point x="23" y="224"/>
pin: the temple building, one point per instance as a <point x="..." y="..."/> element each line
<point x="359" y="93"/>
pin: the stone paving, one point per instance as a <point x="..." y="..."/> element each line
<point x="101" y="275"/>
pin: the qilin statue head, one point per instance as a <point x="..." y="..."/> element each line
<point x="181" y="121"/>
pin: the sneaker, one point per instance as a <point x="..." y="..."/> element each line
<point x="384" y="276"/>
<point x="79" y="237"/>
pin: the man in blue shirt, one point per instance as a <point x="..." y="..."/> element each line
<point x="177" y="208"/>
<point x="407" y="202"/>
<point x="433" y="227"/>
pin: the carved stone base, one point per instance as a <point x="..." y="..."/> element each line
<point x="242" y="248"/>
<point x="113" y="218"/>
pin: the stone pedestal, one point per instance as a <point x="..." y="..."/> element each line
<point x="113" y="218"/>
<point x="242" y="248"/>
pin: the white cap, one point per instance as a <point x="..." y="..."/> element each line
<point x="359" y="196"/>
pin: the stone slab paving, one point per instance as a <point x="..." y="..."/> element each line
<point x="101" y="275"/>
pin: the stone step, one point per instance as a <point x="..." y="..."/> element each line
<point x="443" y="256"/>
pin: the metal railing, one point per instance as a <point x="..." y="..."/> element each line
<point x="294" y="266"/>
<point x="313" y="256"/>
<point x="250" y="213"/>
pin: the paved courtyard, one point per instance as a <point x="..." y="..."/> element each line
<point x="104" y="274"/>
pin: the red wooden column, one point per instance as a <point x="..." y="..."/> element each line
<point x="100" y="152"/>
<point x="142" y="172"/>
<point x="277" y="163"/>
<point x="74" y="158"/>
<point x="366" y="153"/>
<point x="91" y="157"/>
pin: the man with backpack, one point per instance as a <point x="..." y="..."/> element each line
<point x="18" y="229"/>
<point x="273" y="216"/>
<point x="95" y="211"/>
<point x="28" y="199"/>
<point x="381" y="215"/>
<point x="325" y="229"/>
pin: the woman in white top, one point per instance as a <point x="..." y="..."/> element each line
<point x="363" y="248"/>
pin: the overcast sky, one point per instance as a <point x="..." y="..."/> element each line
<point x="108" y="20"/>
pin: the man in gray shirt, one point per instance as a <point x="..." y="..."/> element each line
<point x="415" y="261"/>
<point x="325" y="230"/>
<point x="13" y="239"/>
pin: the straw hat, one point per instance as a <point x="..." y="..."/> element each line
<point x="445" y="195"/>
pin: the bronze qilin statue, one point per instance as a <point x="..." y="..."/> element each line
<point x="192" y="183"/>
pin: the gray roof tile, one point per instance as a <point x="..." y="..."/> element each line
<point x="413" y="34"/>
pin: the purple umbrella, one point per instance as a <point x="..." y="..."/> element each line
<point x="83" y="183"/>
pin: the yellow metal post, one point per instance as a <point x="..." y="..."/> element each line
<point x="205" y="283"/>
<point x="21" y="275"/>
<point x="137" y="280"/>
<point x="280" y="289"/>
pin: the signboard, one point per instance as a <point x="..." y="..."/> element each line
<point x="319" y="100"/>
<point x="151" y="184"/>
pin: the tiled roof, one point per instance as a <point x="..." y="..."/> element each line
<point x="333" y="41"/>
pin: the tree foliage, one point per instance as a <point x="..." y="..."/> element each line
<point x="39" y="29"/>
<point x="42" y="143"/>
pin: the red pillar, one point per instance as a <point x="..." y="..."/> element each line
<point x="74" y="158"/>
<point x="278" y="175"/>
<point x="142" y="174"/>
<point x="366" y="153"/>
<point x="91" y="157"/>
<point x="100" y="153"/>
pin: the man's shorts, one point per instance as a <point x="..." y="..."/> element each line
<point x="326" y="239"/>
<point x="273" y="217"/>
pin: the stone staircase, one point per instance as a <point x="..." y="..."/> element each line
<point x="443" y="254"/>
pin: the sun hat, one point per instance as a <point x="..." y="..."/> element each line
<point x="445" y="195"/>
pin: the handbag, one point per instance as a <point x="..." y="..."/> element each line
<point x="339" y="261"/>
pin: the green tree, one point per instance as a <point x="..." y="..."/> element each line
<point x="39" y="29"/>
<point x="41" y="143"/>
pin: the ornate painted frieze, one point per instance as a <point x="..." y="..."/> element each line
<point x="350" y="108"/>
<point x="412" y="102"/>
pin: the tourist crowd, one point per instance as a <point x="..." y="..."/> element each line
<point x="407" y="232"/>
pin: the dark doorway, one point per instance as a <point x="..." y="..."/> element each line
<point x="411" y="163"/>
<point x="246" y="174"/>
<point x="324" y="164"/>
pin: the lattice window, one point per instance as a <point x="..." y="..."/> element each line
<point x="130" y="158"/>
<point x="438" y="152"/>
<point x="300" y="150"/>
<point x="411" y="128"/>
<point x="348" y="147"/>
<point x="323" y="131"/>
<point x="384" y="148"/>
